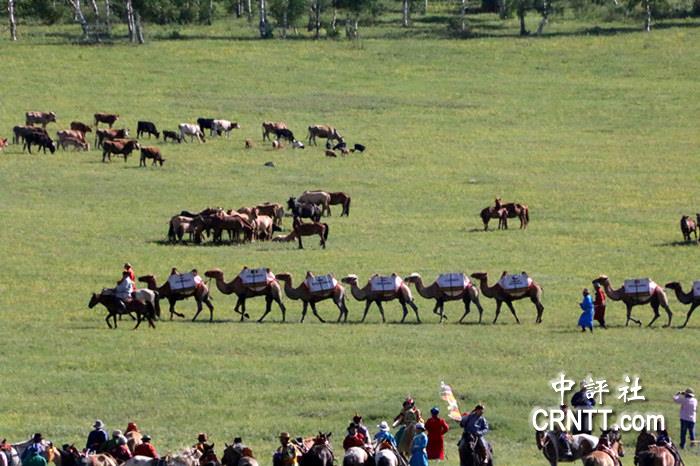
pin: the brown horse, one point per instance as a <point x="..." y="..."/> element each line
<point x="609" y="450"/>
<point x="647" y="453"/>
<point x="688" y="226"/>
<point x="492" y="212"/>
<point x="515" y="210"/>
<point x="308" y="229"/>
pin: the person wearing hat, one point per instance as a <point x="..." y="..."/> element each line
<point x="146" y="448"/>
<point x="121" y="452"/>
<point x="586" y="319"/>
<point x="97" y="437"/>
<point x="353" y="439"/>
<point x="409" y="416"/>
<point x="287" y="453"/>
<point x="688" y="414"/>
<point x="112" y="444"/>
<point x="436" y="427"/>
<point x="361" y="428"/>
<point x="128" y="268"/>
<point x="384" y="434"/>
<point x="580" y="401"/>
<point x="419" y="457"/>
<point x="475" y="424"/>
<point x="599" y="304"/>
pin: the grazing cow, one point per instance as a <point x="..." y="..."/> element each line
<point x="358" y="148"/>
<point x="108" y="118"/>
<point x="224" y="126"/>
<point x="82" y="127"/>
<point x="341" y="145"/>
<point x="20" y="132"/>
<point x="102" y="135"/>
<point x="271" y="127"/>
<point x="151" y="153"/>
<point x="146" y="127"/>
<point x="205" y="123"/>
<point x="71" y="133"/>
<point x="40" y="139"/>
<point x="3" y="143"/>
<point x="284" y="133"/>
<point x="248" y="144"/>
<point x="330" y="153"/>
<point x="171" y="135"/>
<point x="76" y="143"/>
<point x="187" y="129"/>
<point x="297" y="144"/>
<point x="119" y="147"/>
<point x="323" y="131"/>
<point x="40" y="117"/>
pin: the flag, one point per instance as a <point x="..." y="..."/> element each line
<point x="452" y="408"/>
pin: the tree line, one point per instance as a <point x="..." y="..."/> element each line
<point x="96" y="17"/>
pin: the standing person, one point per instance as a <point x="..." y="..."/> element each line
<point x="581" y="401"/>
<point x="146" y="448"/>
<point x="586" y="319"/>
<point x="384" y="434"/>
<point x="599" y="304"/>
<point x="97" y="437"/>
<point x="128" y="268"/>
<point x="418" y="455"/>
<point x="689" y="408"/>
<point x="436" y="428"/>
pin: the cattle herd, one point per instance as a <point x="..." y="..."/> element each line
<point x="118" y="142"/>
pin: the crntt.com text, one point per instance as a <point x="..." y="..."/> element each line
<point x="553" y="419"/>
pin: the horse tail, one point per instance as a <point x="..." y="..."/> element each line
<point x="325" y="231"/>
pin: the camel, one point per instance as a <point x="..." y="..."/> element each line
<point x="309" y="298"/>
<point x="534" y="292"/>
<point x="367" y="294"/>
<point x="515" y="210"/>
<point x="655" y="299"/>
<point x="270" y="290"/>
<point x="684" y="298"/>
<point x="200" y="294"/>
<point x="467" y="294"/>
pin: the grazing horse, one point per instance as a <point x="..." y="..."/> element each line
<point x="114" y="308"/>
<point x="473" y="453"/>
<point x="581" y="445"/>
<point x="609" y="450"/>
<point x="303" y="210"/>
<point x="688" y="226"/>
<point x="320" y="453"/>
<point x="308" y="229"/>
<point x="238" y="455"/>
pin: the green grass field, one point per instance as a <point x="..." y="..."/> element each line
<point x="597" y="134"/>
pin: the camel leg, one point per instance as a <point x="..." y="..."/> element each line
<point x="268" y="308"/>
<point x="381" y="310"/>
<point x="476" y="301"/>
<point x="466" y="302"/>
<point x="405" y="311"/>
<point x="669" y="313"/>
<point x="313" y="309"/>
<point x="540" y="308"/>
<point x="199" y="309"/>
<point x="498" y="310"/>
<point x="173" y="311"/>
<point x="690" y="313"/>
<point x="415" y="309"/>
<point x="368" y="303"/>
<point x="211" y="309"/>
<point x="343" y="309"/>
<point x="629" y="317"/>
<point x="512" y="311"/>
<point x="282" y="308"/>
<point x="442" y="312"/>
<point x="303" y="311"/>
<point x="655" y="308"/>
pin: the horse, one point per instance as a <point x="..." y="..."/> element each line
<point x="187" y="457"/>
<point x="307" y="229"/>
<point x="647" y="453"/>
<point x="355" y="456"/>
<point x="304" y="210"/>
<point x="9" y="455"/>
<point x="548" y="442"/>
<point x="238" y="455"/>
<point x="688" y="226"/>
<point x="515" y="210"/>
<point x="51" y="453"/>
<point x="320" y="453"/>
<point x="609" y="451"/>
<point x="473" y="453"/>
<point x="386" y="455"/>
<point x="490" y="212"/>
<point x="114" y="308"/>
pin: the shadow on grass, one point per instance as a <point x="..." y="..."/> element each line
<point x="678" y="243"/>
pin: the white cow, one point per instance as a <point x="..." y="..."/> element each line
<point x="191" y="130"/>
<point x="224" y="126"/>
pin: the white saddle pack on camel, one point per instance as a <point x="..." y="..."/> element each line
<point x="453" y="284"/>
<point x="640" y="287"/>
<point x="182" y="283"/>
<point x="385" y="283"/>
<point x="320" y="283"/>
<point x="256" y="279"/>
<point x="515" y="284"/>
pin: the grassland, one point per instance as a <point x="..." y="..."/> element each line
<point x="597" y="134"/>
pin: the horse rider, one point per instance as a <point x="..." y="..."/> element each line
<point x="128" y="268"/>
<point x="121" y="451"/>
<point x="361" y="428"/>
<point x="125" y="287"/>
<point x="409" y="415"/>
<point x="475" y="424"/>
<point x="564" y="437"/>
<point x="146" y="448"/>
<point x="384" y="435"/>
<point x="131" y="427"/>
<point x="287" y="453"/>
<point x="354" y="438"/>
<point x="664" y="440"/>
<point x="419" y="457"/>
<point x="113" y="443"/>
<point x="202" y="444"/>
<point x="36" y="446"/>
<point x="581" y="401"/>
<point x="97" y="437"/>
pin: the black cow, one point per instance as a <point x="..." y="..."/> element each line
<point x="206" y="123"/>
<point x="284" y="133"/>
<point x="39" y="139"/>
<point x="148" y="128"/>
<point x="175" y="136"/>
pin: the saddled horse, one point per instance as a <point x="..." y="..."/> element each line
<point x="355" y="456"/>
<point x="187" y="457"/>
<point x="237" y="455"/>
<point x="647" y="453"/>
<point x="320" y="453"/>
<point x="300" y="229"/>
<point x="386" y="455"/>
<point x="548" y="442"/>
<point x="304" y="210"/>
<point x="609" y="450"/>
<point x="51" y="453"/>
<point x="473" y="453"/>
<point x="114" y="308"/>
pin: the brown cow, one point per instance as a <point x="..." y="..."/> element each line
<point x="272" y="126"/>
<point x="108" y="118"/>
<point x="118" y="147"/>
<point x="151" y="153"/>
<point x="77" y="143"/>
<point x="73" y="133"/>
<point x="102" y="135"/>
<point x="323" y="131"/>
<point x="40" y="117"/>
<point x="82" y="127"/>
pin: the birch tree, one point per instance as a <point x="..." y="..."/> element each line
<point x="264" y="30"/>
<point x="13" y="23"/>
<point x="406" y="12"/>
<point x="80" y="17"/>
<point x="130" y="23"/>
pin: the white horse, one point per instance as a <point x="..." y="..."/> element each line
<point x="581" y="445"/>
<point x="386" y="457"/>
<point x="355" y="456"/>
<point x="138" y="460"/>
<point x="187" y="457"/>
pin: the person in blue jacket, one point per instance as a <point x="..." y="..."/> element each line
<point x="586" y="319"/>
<point x="419" y="457"/>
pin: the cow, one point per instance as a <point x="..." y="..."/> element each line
<point x="188" y="129"/>
<point x="40" y="117"/>
<point x="358" y="148"/>
<point x="146" y="127"/>
<point x="205" y="123"/>
<point x="40" y="139"/>
<point x="171" y="135"/>
<point x="270" y="127"/>
<point x="323" y="131"/>
<point x="71" y="133"/>
<point x="3" y="143"/>
<point x="151" y="153"/>
<point x="77" y="143"/>
<point x="82" y="127"/>
<point x="284" y="133"/>
<point x="224" y="126"/>
<point x="108" y="118"/>
<point x="102" y="135"/>
<point x="20" y="132"/>
<point x="119" y="147"/>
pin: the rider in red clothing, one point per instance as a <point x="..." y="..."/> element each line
<point x="146" y="449"/>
